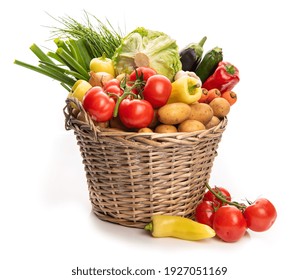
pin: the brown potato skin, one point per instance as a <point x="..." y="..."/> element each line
<point x="201" y="112"/>
<point x="213" y="122"/>
<point x="220" y="106"/>
<point x="165" y="128"/>
<point x="145" y="130"/>
<point x="174" y="113"/>
<point x="190" y="126"/>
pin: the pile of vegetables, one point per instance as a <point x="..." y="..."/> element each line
<point x="139" y="82"/>
<point x="142" y="82"/>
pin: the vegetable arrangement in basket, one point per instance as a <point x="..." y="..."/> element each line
<point x="143" y="83"/>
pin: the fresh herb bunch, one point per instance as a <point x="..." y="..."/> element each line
<point x="100" y="37"/>
<point x="76" y="44"/>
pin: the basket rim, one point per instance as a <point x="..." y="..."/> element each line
<point x="129" y="134"/>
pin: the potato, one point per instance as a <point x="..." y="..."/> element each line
<point x="101" y="124"/>
<point x="174" y="113"/>
<point x="201" y="112"/>
<point x="144" y="130"/>
<point x="220" y="106"/>
<point x="165" y="128"/>
<point x="213" y="122"/>
<point x="190" y="126"/>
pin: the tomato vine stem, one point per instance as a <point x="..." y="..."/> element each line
<point x="240" y="206"/>
<point x="128" y="92"/>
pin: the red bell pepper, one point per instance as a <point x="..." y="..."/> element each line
<point x="224" y="78"/>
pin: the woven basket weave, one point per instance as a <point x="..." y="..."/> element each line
<point x="132" y="176"/>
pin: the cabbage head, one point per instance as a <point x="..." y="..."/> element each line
<point x="143" y="47"/>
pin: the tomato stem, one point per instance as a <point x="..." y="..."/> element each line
<point x="128" y="92"/>
<point x="120" y="99"/>
<point x="220" y="197"/>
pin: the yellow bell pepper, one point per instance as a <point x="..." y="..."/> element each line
<point x="178" y="227"/>
<point x="102" y="64"/>
<point x="186" y="89"/>
<point x="78" y="90"/>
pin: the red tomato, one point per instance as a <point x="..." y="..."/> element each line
<point x="157" y="90"/>
<point x="113" y="82"/>
<point x="229" y="223"/>
<point x="146" y="72"/>
<point x="135" y="113"/>
<point x="260" y="215"/>
<point x="204" y="213"/>
<point x="98" y="104"/>
<point x="114" y="89"/>
<point x="209" y="196"/>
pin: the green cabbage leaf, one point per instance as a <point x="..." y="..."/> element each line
<point x="143" y="47"/>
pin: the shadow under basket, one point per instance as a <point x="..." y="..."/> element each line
<point x="132" y="176"/>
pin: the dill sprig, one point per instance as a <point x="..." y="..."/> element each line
<point x="99" y="37"/>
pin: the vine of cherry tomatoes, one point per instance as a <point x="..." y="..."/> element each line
<point x="230" y="220"/>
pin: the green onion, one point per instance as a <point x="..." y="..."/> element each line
<point x="52" y="74"/>
<point x="40" y="54"/>
<point x="80" y="52"/>
<point x="55" y="56"/>
<point x="45" y="65"/>
<point x="72" y="63"/>
<point x="61" y="44"/>
<point x="66" y="87"/>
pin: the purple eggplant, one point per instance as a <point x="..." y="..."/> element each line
<point x="191" y="55"/>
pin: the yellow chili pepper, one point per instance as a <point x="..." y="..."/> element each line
<point x="102" y="64"/>
<point x="178" y="227"/>
<point x="78" y="90"/>
<point x="186" y="89"/>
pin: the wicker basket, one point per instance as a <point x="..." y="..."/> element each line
<point x="132" y="176"/>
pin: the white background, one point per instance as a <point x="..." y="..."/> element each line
<point x="47" y="227"/>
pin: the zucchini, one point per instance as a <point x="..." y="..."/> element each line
<point x="209" y="63"/>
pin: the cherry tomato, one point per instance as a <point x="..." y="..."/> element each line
<point x="114" y="89"/>
<point x="204" y="213"/>
<point x="98" y="104"/>
<point x="146" y="72"/>
<point x="260" y="215"/>
<point x="113" y="86"/>
<point x="229" y="223"/>
<point x="112" y="82"/>
<point x="135" y="113"/>
<point x="209" y="196"/>
<point x="157" y="90"/>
